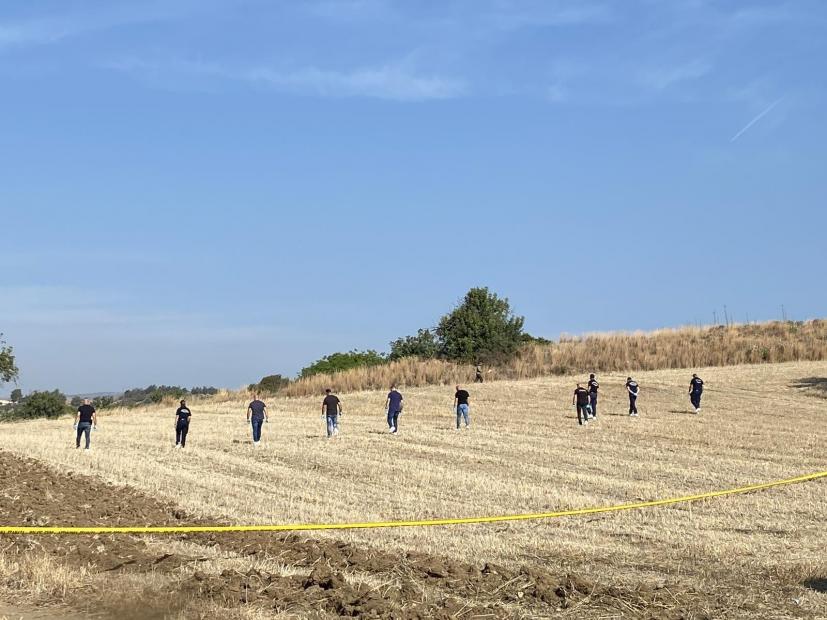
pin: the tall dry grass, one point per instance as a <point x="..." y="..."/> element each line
<point x="687" y="347"/>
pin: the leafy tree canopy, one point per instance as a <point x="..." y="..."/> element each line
<point x="481" y="329"/>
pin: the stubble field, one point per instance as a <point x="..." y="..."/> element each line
<point x="756" y="555"/>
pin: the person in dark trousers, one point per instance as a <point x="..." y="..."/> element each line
<point x="85" y="421"/>
<point x="182" y="425"/>
<point x="461" y="407"/>
<point x="331" y="410"/>
<point x="696" y="388"/>
<point x="478" y="378"/>
<point x="634" y="389"/>
<point x="256" y="417"/>
<point x="394" y="406"/>
<point x="580" y="399"/>
<point x="594" y="386"/>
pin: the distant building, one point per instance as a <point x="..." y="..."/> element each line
<point x="5" y="402"/>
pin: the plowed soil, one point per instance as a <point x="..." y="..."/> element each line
<point x="294" y="575"/>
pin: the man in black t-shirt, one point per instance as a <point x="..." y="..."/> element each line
<point x="696" y="388"/>
<point x="256" y="416"/>
<point x="580" y="399"/>
<point x="461" y="407"/>
<point x="182" y="425"/>
<point x="331" y="409"/>
<point x="593" y="387"/>
<point x="85" y="421"/>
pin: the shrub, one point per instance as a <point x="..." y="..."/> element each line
<point x="42" y="405"/>
<point x="424" y="346"/>
<point x="338" y="362"/>
<point x="270" y="384"/>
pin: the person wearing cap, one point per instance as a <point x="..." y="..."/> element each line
<point x="331" y="410"/>
<point x="634" y="389"/>
<point x="696" y="388"/>
<point x="182" y="425"/>
<point x="580" y="399"/>
<point x="461" y="407"/>
<point x="593" y="387"/>
<point x="256" y="417"/>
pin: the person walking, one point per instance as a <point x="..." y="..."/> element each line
<point x="594" y="386"/>
<point x="461" y="407"/>
<point x="634" y="389"/>
<point x="696" y="388"/>
<point x="182" y="425"/>
<point x="256" y="417"/>
<point x="331" y="410"/>
<point x="394" y="405"/>
<point x="85" y="421"/>
<point x="580" y="399"/>
<point x="478" y="378"/>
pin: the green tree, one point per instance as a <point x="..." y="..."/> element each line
<point x="482" y="329"/>
<point x="43" y="405"/>
<point x="337" y="362"/>
<point x="424" y="345"/>
<point x="8" y="368"/>
<point x="16" y="395"/>
<point x="270" y="384"/>
<point x="76" y="402"/>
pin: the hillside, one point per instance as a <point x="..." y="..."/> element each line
<point x="688" y="347"/>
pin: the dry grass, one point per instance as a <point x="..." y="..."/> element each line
<point x="524" y="453"/>
<point x="686" y="347"/>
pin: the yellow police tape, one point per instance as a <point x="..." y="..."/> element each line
<point x="215" y="529"/>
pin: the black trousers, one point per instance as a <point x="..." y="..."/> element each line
<point x="695" y="399"/>
<point x="632" y="405"/>
<point x="181" y="430"/>
<point x="582" y="413"/>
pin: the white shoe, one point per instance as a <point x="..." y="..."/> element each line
<point x="178" y="445"/>
<point x="392" y="429"/>
<point x="255" y="443"/>
<point x="85" y="450"/>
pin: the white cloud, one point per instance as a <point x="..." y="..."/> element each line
<point x="385" y="82"/>
<point x="663" y="77"/>
<point x="390" y="81"/>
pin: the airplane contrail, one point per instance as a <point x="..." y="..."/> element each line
<point x="756" y="119"/>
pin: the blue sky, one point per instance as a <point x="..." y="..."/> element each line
<point x="207" y="191"/>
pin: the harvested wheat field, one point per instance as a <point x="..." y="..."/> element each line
<point x="755" y="555"/>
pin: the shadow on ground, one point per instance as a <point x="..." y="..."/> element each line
<point x="819" y="584"/>
<point x="815" y="384"/>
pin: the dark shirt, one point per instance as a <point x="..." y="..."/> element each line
<point x="86" y="412"/>
<point x="593" y="386"/>
<point x="257" y="408"/>
<point x="632" y="387"/>
<point x="183" y="415"/>
<point x="582" y="396"/>
<point x="331" y="404"/>
<point x="462" y="397"/>
<point x="395" y="399"/>
<point x="697" y="385"/>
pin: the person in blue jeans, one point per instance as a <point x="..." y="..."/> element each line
<point x="256" y="417"/>
<point x="594" y="386"/>
<point x="331" y="409"/>
<point x="85" y="421"/>
<point x="461" y="407"/>
<point x="696" y="388"/>
<point x="394" y="405"/>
